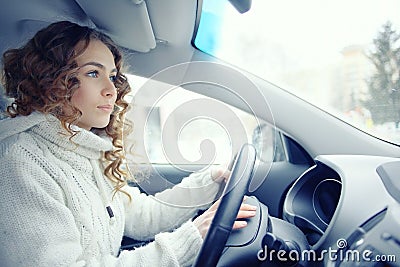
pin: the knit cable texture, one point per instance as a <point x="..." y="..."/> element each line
<point x="54" y="197"/>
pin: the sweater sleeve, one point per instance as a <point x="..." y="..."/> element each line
<point x="37" y="229"/>
<point x="178" y="248"/>
<point x="148" y="215"/>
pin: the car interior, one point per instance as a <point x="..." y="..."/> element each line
<point x="329" y="188"/>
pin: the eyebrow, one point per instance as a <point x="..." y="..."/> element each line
<point x="99" y="65"/>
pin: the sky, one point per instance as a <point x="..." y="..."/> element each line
<point x="314" y="30"/>
<point x="298" y="44"/>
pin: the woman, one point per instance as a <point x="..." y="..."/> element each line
<point x="64" y="198"/>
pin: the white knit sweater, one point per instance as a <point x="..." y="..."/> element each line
<point x="53" y="199"/>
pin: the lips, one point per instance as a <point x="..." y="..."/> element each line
<point x="107" y="108"/>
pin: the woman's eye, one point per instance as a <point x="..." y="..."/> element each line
<point x="93" y="74"/>
<point x="113" y="78"/>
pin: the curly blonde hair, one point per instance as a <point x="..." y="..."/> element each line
<point x="42" y="76"/>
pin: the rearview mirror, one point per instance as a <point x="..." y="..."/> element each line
<point x="241" y="5"/>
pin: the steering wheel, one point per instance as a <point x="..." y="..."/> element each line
<point x="232" y="197"/>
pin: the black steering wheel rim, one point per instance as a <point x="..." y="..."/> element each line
<point x="230" y="202"/>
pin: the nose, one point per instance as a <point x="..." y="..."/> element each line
<point x="109" y="89"/>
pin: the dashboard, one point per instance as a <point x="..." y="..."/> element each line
<point x="311" y="202"/>
<point x="348" y="202"/>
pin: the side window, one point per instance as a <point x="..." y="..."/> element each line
<point x="4" y="102"/>
<point x="182" y="127"/>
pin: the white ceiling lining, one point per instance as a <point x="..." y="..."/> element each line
<point x="126" y="21"/>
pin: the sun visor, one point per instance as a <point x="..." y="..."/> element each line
<point x="126" y="22"/>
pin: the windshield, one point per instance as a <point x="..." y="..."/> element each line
<point x="342" y="56"/>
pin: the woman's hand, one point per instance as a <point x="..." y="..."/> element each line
<point x="203" y="222"/>
<point x="220" y="174"/>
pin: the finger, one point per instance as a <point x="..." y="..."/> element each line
<point x="242" y="214"/>
<point x="247" y="207"/>
<point x="215" y="205"/>
<point x="239" y="224"/>
<point x="220" y="174"/>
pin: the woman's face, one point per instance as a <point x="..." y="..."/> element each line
<point x="96" y="94"/>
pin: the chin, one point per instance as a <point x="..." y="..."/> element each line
<point x="101" y="125"/>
